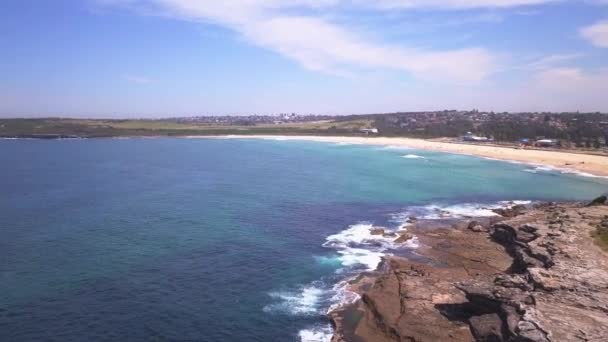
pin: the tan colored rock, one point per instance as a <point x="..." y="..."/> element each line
<point x="477" y="227"/>
<point x="404" y="237"/>
<point x="377" y="231"/>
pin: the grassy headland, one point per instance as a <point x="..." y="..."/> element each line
<point x="97" y="128"/>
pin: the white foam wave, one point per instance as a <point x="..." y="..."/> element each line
<point x="348" y="244"/>
<point x="413" y="156"/>
<point x="357" y="246"/>
<point x="356" y="233"/>
<point x="342" y="295"/>
<point x="321" y="333"/>
<point x="349" y="143"/>
<point x="465" y="210"/>
<point x="328" y="261"/>
<point x="500" y="160"/>
<point x="538" y="169"/>
<point x="580" y="173"/>
<point x="360" y="256"/>
<point x="395" y="147"/>
<point x="546" y="168"/>
<point x="435" y="212"/>
<point x="304" y="301"/>
<point x="278" y="138"/>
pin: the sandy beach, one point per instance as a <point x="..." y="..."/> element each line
<point x="583" y="163"/>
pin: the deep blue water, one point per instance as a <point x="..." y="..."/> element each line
<point x="209" y="239"/>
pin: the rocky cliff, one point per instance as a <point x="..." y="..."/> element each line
<point x="534" y="274"/>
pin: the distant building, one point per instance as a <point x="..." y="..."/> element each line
<point x="473" y="138"/>
<point x="546" y="143"/>
<point x="369" y="130"/>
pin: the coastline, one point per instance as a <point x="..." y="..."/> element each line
<point x="584" y="164"/>
<point x="365" y="247"/>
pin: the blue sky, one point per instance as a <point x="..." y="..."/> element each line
<point x="159" y="58"/>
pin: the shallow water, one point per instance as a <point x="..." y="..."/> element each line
<point x="218" y="240"/>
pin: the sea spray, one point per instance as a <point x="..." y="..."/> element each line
<point x="305" y="301"/>
<point x="358" y="249"/>
<point x="319" y="333"/>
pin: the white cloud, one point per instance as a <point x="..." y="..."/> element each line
<point x="557" y="89"/>
<point x="455" y="4"/>
<point x="321" y="45"/>
<point x="302" y="31"/>
<point x="572" y="80"/>
<point x="550" y="61"/>
<point x="572" y="89"/>
<point x="596" y="34"/>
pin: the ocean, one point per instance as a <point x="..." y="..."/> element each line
<point x="220" y="239"/>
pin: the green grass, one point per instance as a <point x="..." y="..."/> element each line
<point x="601" y="239"/>
<point x="601" y="234"/>
<point x="92" y="128"/>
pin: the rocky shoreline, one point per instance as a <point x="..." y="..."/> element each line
<point x="530" y="274"/>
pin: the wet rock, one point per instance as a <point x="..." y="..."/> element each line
<point x="503" y="233"/>
<point x="377" y="231"/>
<point x="598" y="201"/>
<point x="527" y="233"/>
<point x="404" y="237"/>
<point x="477" y="227"/>
<point x="513" y="211"/>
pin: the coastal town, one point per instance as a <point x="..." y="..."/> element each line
<point x="529" y="129"/>
<point x="586" y="132"/>
<point x="581" y="129"/>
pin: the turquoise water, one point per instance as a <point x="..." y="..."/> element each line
<point x="217" y="240"/>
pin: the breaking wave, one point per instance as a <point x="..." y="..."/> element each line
<point x="464" y="210"/>
<point x="558" y="170"/>
<point x="395" y="147"/>
<point x="304" y="301"/>
<point x="359" y="248"/>
<point x="320" y="333"/>
<point x="413" y="156"/>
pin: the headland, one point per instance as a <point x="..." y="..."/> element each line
<point x="534" y="273"/>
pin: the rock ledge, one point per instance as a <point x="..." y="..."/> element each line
<point x="534" y="276"/>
